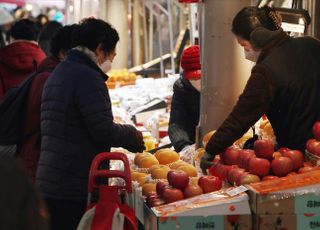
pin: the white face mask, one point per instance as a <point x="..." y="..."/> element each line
<point x="105" y="66"/>
<point x="252" y="55"/>
<point x="196" y="84"/>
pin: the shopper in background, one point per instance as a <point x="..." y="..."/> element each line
<point x="21" y="206"/>
<point x="61" y="42"/>
<point x="46" y="34"/>
<point x="77" y="123"/>
<point x="41" y="21"/>
<point x="284" y="84"/>
<point x="20" y="58"/>
<point x="185" y="104"/>
<point x="6" y="21"/>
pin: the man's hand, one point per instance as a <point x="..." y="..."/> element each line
<point x="206" y="162"/>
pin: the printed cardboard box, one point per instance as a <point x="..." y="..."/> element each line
<point x="286" y="222"/>
<point x="285" y="202"/>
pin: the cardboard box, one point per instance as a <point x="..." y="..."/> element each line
<point x="286" y="222"/>
<point x="220" y="222"/>
<point x="216" y="210"/>
<point x="286" y="202"/>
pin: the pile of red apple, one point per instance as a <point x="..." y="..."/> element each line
<point x="313" y="145"/>
<point x="179" y="188"/>
<point x="244" y="166"/>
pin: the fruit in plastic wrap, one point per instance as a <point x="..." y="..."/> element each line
<point x="139" y="156"/>
<point x="189" y="169"/>
<point x="148" y="188"/>
<point x="166" y="156"/>
<point x="177" y="164"/>
<point x="161" y="186"/>
<point x="135" y="176"/>
<point x="147" y="162"/>
<point x="160" y="173"/>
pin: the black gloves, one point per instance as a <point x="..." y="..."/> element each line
<point x="206" y="162"/>
<point x="138" y="143"/>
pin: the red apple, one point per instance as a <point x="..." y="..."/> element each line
<point x="297" y="158"/>
<point x="317" y="150"/>
<point x="282" y="166"/>
<point x="244" y="158"/>
<point x="259" y="166"/>
<point x="269" y="178"/>
<point x="153" y="200"/>
<point x="234" y="174"/>
<point x="283" y="150"/>
<point x="264" y="148"/>
<point x="231" y="156"/>
<point x="307" y="169"/>
<point x="221" y="170"/>
<point x="209" y="183"/>
<point x="316" y="130"/>
<point x="172" y="194"/>
<point x="248" y="179"/>
<point x="311" y="145"/>
<point x="192" y="190"/>
<point x="161" y="186"/>
<point x="178" y="179"/>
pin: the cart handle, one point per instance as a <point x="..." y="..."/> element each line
<point x="95" y="172"/>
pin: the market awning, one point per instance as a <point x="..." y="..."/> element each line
<point x="17" y="2"/>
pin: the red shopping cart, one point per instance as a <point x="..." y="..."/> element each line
<point x="110" y="208"/>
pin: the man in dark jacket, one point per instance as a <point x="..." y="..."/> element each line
<point x="284" y="84"/>
<point x="30" y="149"/>
<point x="20" y="58"/>
<point x="77" y="123"/>
<point x="185" y="105"/>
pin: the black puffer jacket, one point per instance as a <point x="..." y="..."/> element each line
<point x="76" y="124"/>
<point x="184" y="116"/>
<point x="284" y="85"/>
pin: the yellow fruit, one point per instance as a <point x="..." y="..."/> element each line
<point x="161" y="172"/>
<point x="139" y="156"/>
<point x="148" y="188"/>
<point x="166" y="156"/>
<point x="189" y="169"/>
<point x="177" y="164"/>
<point x="147" y="162"/>
<point x="135" y="176"/>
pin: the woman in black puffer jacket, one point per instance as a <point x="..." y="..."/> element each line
<point x="77" y="123"/>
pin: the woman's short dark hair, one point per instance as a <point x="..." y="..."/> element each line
<point x="250" y="18"/>
<point x="93" y="32"/>
<point x="63" y="39"/>
<point x="24" y="29"/>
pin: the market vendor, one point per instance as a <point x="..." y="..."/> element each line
<point x="284" y="84"/>
<point x="184" y="115"/>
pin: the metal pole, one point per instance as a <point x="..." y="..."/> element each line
<point x="169" y="3"/>
<point x="150" y="57"/>
<point x="224" y="69"/>
<point x="160" y="45"/>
